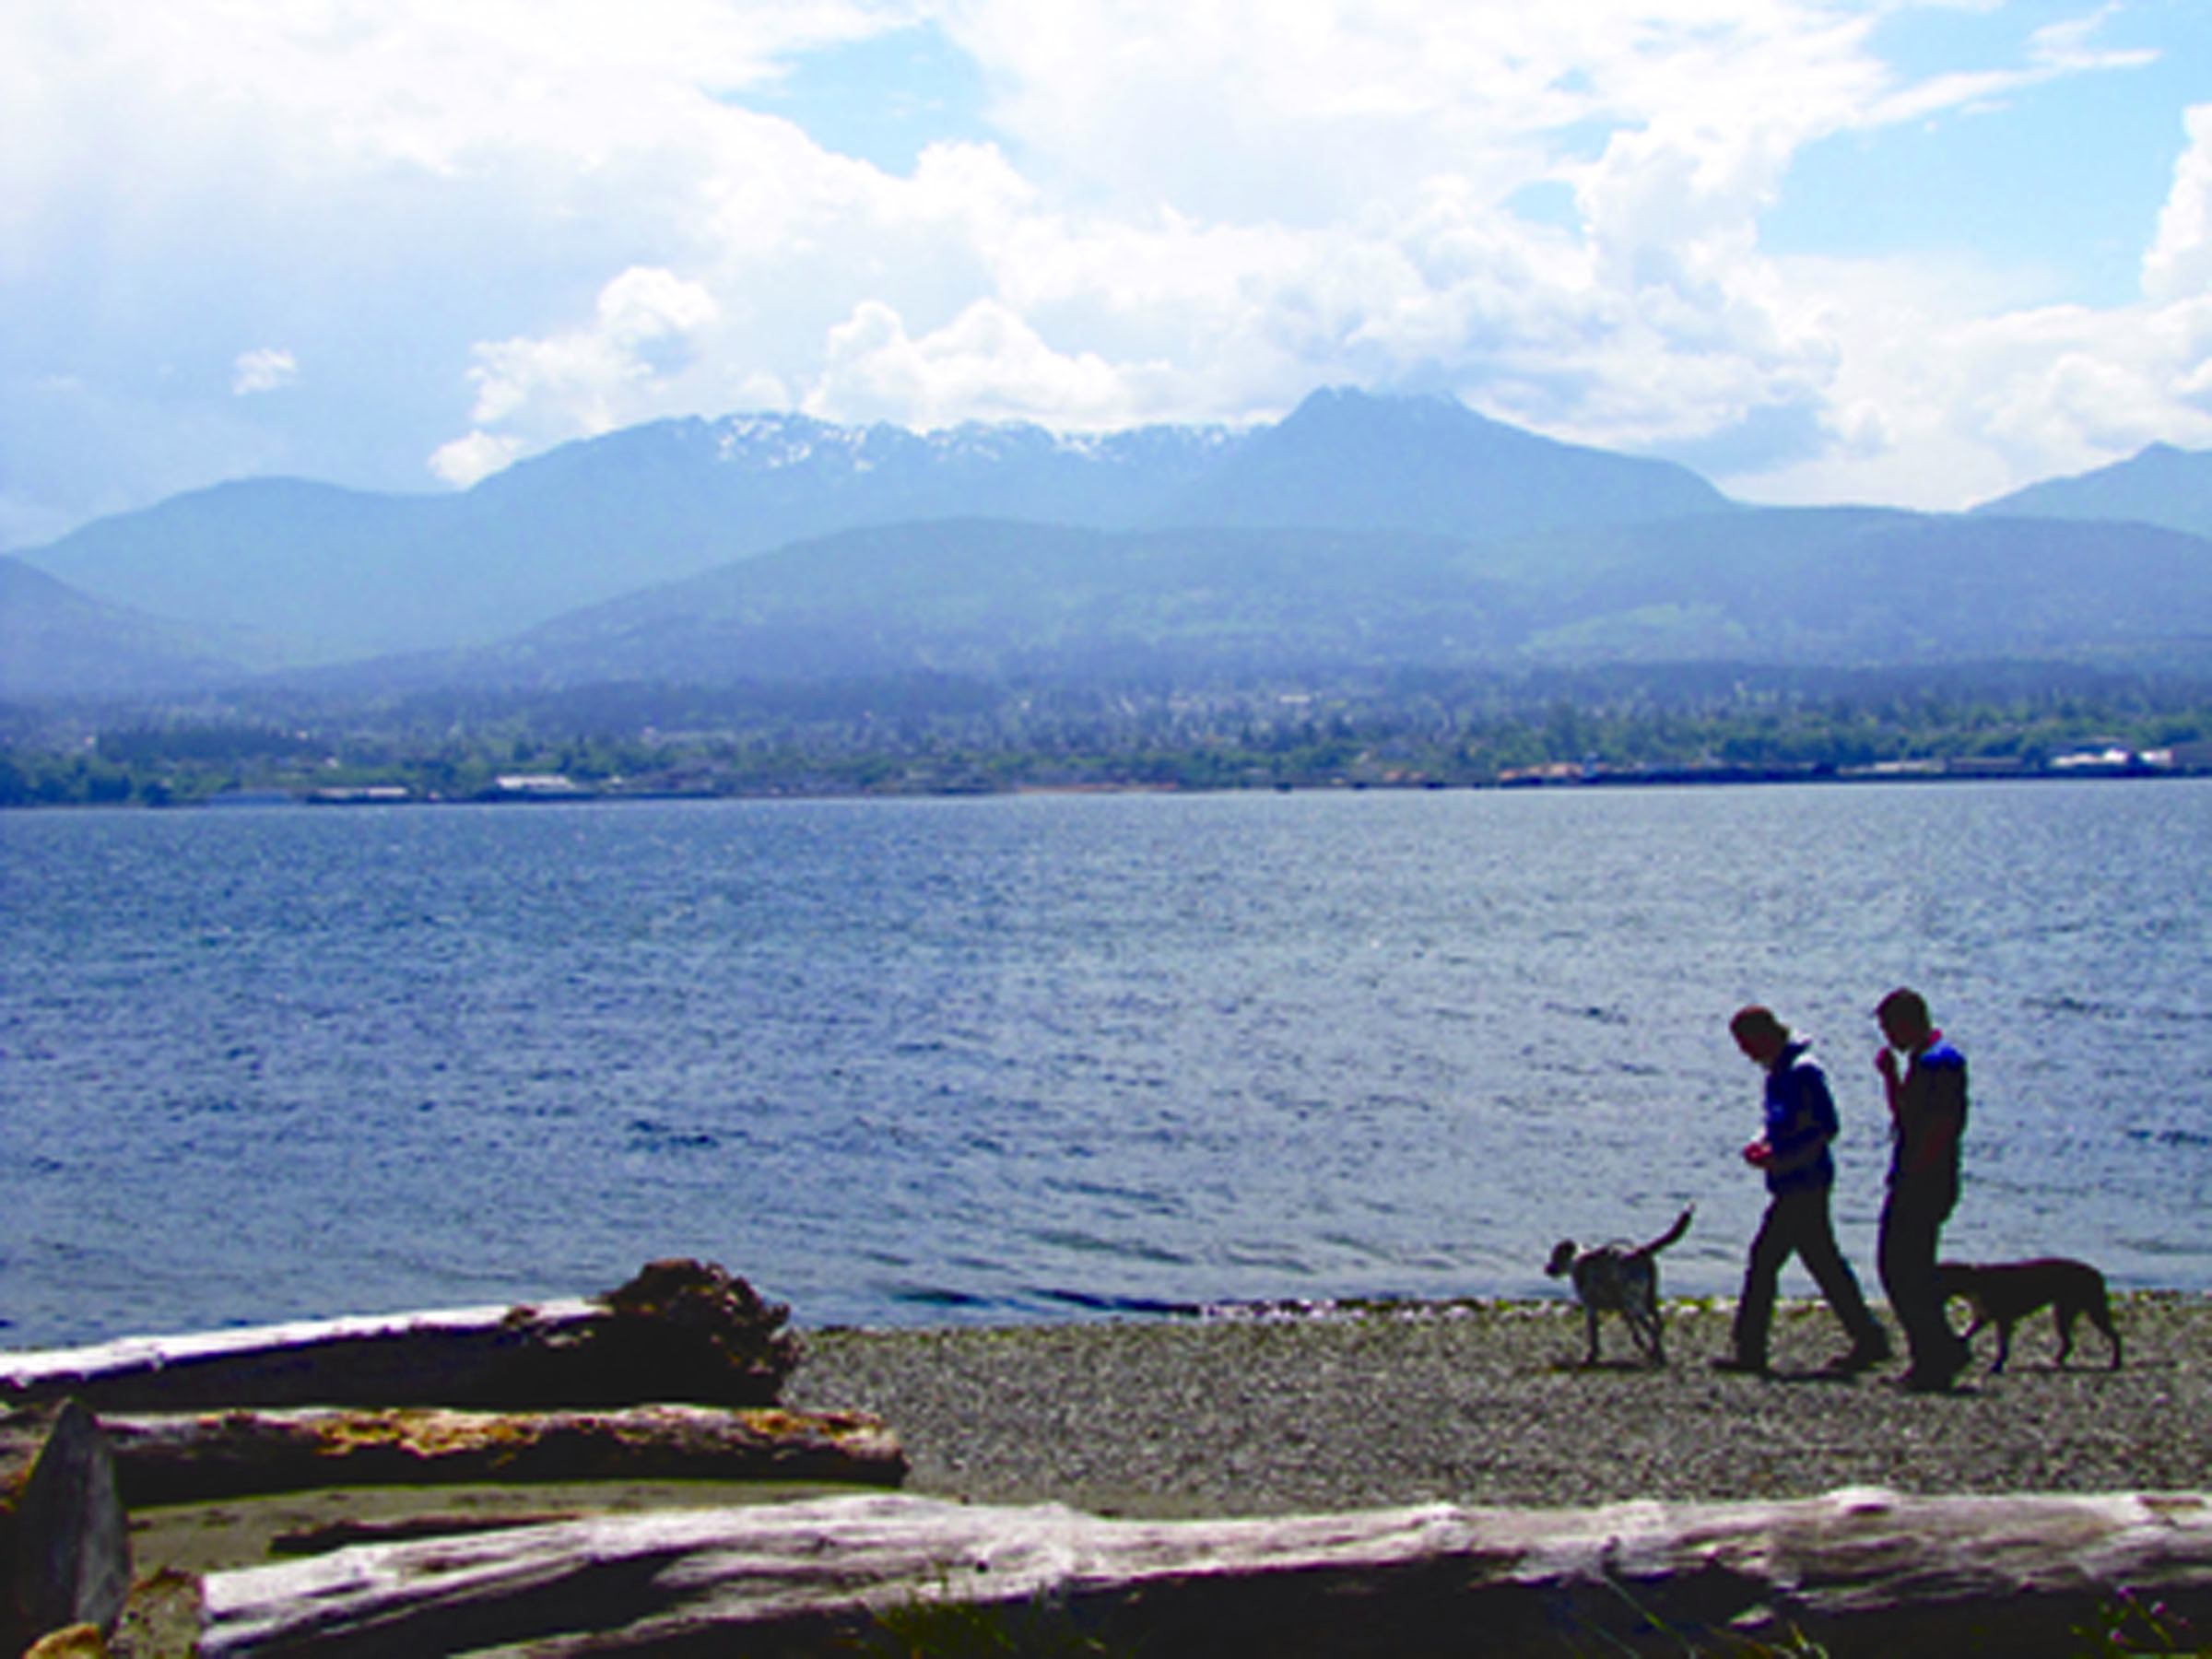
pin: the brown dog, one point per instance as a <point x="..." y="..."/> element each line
<point x="2005" y="1293"/>
<point x="1619" y="1278"/>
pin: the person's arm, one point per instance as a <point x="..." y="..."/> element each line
<point x="1893" y="1084"/>
<point x="1812" y="1124"/>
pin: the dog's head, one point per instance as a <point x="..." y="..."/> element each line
<point x="1562" y="1258"/>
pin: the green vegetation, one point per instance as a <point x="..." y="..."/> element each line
<point x="2128" y="1624"/>
<point x="943" y="734"/>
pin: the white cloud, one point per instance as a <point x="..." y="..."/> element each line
<point x="1944" y="394"/>
<point x="2178" y="264"/>
<point x="468" y="460"/>
<point x="2070" y="44"/>
<point x="496" y="226"/>
<point x="987" y="363"/>
<point x="1216" y="208"/>
<point x="266" y="368"/>
<point x="649" y="327"/>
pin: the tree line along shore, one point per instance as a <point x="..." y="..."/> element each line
<point x="925" y="735"/>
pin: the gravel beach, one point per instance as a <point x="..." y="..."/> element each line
<point x="1485" y="1404"/>
<point x="1480" y="1404"/>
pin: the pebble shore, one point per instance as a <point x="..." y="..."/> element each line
<point x="1487" y="1404"/>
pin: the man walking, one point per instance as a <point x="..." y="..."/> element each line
<point x="1928" y="1121"/>
<point x="1800" y="1170"/>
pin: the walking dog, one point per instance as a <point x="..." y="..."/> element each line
<point x="2005" y="1293"/>
<point x="1620" y="1278"/>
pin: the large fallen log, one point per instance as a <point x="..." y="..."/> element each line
<point x="683" y="1331"/>
<point x="65" y="1552"/>
<point x="204" y="1458"/>
<point x="1859" y="1571"/>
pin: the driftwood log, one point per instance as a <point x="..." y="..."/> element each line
<point x="1860" y="1571"/>
<point x="680" y="1331"/>
<point x="64" y="1551"/>
<point x="204" y="1458"/>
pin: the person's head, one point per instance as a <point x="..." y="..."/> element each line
<point x="1759" y="1033"/>
<point x="1903" y="1017"/>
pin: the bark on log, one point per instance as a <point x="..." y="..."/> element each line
<point x="432" y="1359"/>
<point x="65" y="1550"/>
<point x="240" y="1454"/>
<point x="1860" y="1571"/>
<point x="682" y="1331"/>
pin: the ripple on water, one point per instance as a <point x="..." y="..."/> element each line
<point x="905" y="1062"/>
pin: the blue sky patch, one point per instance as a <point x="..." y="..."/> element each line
<point x="884" y="99"/>
<point x="2065" y="178"/>
<point x="1546" y="202"/>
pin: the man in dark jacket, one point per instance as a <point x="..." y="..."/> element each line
<point x="1927" y="1122"/>
<point x="1800" y="1172"/>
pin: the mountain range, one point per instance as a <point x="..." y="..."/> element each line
<point x="2161" y="484"/>
<point x="1359" y="532"/>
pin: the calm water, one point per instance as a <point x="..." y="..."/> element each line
<point x="930" y="1060"/>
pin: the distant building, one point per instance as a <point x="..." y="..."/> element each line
<point x="537" y="785"/>
<point x="371" y="794"/>
<point x="2112" y="758"/>
<point x="2196" y="756"/>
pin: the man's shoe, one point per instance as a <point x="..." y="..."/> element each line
<point x="1937" y="1378"/>
<point x="1743" y="1365"/>
<point x="1860" y="1357"/>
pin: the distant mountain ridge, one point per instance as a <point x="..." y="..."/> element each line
<point x="1346" y="461"/>
<point x="56" y="642"/>
<point x="785" y="476"/>
<point x="341" y="574"/>
<point x="2160" y="485"/>
<point x="1004" y="601"/>
<point x="1359" y="534"/>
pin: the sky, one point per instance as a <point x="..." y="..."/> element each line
<point x="1913" y="252"/>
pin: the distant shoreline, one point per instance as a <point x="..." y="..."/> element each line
<point x="555" y="791"/>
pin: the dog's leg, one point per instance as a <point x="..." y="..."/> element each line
<point x="1590" y="1317"/>
<point x="1974" y="1328"/>
<point x="2101" y="1315"/>
<point x="1639" y="1321"/>
<point x="2063" y="1315"/>
<point x="2003" y="1345"/>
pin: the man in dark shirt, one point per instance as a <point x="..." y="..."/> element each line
<point x="1793" y="1151"/>
<point x="1928" y="1121"/>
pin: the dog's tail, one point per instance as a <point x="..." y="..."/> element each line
<point x="1680" y="1227"/>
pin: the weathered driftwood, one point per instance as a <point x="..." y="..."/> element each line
<point x="192" y="1459"/>
<point x="683" y="1331"/>
<point x="64" y="1551"/>
<point x="1859" y="1571"/>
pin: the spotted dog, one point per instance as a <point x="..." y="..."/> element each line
<point x="1620" y="1278"/>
